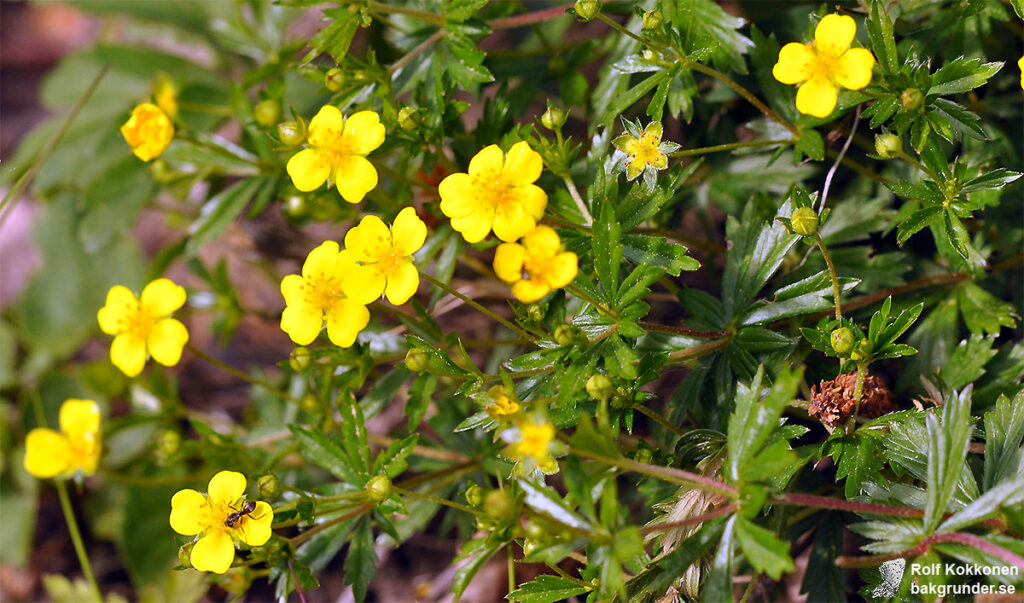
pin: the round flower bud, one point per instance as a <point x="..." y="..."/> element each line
<point x="554" y="118"/>
<point x="912" y="99"/>
<point x="185" y="554"/>
<point x="269" y="486"/>
<point x="267" y="112"/>
<point x="587" y="9"/>
<point x="300" y="359"/>
<point x="535" y="312"/>
<point x="407" y="118"/>
<point x="379" y="488"/>
<point x="168" y="443"/>
<point x="291" y="132"/>
<point x="499" y="505"/>
<point x="416" y="360"/>
<point x="643" y="455"/>
<point x="842" y="341"/>
<point x="474" y="495"/>
<point x="535" y="531"/>
<point x="310" y="404"/>
<point x="653" y="19"/>
<point x="862" y="351"/>
<point x="804" y="221"/>
<point x="161" y="171"/>
<point x="294" y="206"/>
<point x="888" y="145"/>
<point x="334" y="79"/>
<point x="600" y="387"/>
<point x="564" y="335"/>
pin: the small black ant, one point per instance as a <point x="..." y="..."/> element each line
<point x="246" y="509"/>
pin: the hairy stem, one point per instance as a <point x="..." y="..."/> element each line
<point x="449" y="289"/>
<point x="76" y="539"/>
<point x="832" y="273"/>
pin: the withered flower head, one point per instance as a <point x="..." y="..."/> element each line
<point x="833" y="402"/>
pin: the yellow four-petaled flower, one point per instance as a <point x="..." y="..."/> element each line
<point x="498" y="193"/>
<point x="76" y="447"/>
<point x="220" y="519"/>
<point x="144" y="325"/>
<point x="337" y="149"/>
<point x="148" y="131"/>
<point x="536" y="266"/>
<point x="825" y="65"/>
<point x="317" y="297"/>
<point x="384" y="256"/>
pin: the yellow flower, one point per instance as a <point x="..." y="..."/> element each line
<point x="144" y="325"/>
<point x="317" y="297"/>
<point x="337" y="149"/>
<point x="501" y="405"/>
<point x="827" y="64"/>
<point x="644" y="150"/>
<point x="537" y="266"/>
<point x="532" y="445"/>
<point x="165" y="93"/>
<point x="385" y="262"/>
<point x="149" y="131"/>
<point x="75" y="448"/>
<point x="498" y="192"/>
<point x="220" y="519"/>
<point x="1020" y="65"/>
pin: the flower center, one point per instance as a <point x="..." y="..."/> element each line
<point x="535" y="440"/>
<point x="535" y="267"/>
<point x="645" y="150"/>
<point x="136" y="321"/>
<point x="321" y="292"/>
<point x="336" y="153"/>
<point x="824" y="64"/>
<point x="493" y="191"/>
<point x="389" y="260"/>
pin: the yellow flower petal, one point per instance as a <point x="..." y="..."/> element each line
<point x="128" y="353"/>
<point x="532" y="198"/>
<point x="475" y="226"/>
<point x="166" y="340"/>
<point x="522" y="164"/>
<point x="309" y="169"/>
<point x="149" y="131"/>
<point x="47" y="453"/>
<point x="458" y="195"/>
<point x="512" y="222"/>
<point x="834" y="34"/>
<point x="254" y="528"/>
<point x="508" y="261"/>
<point x="408" y="232"/>
<point x="817" y="96"/>
<point x="302" y="322"/>
<point x="226" y="487"/>
<point x="162" y="297"/>
<point x="121" y="304"/>
<point x="562" y="270"/>
<point x="654" y="130"/>
<point x="213" y="553"/>
<point x="369" y="241"/>
<point x="80" y="419"/>
<point x="292" y="289"/>
<point x="189" y="511"/>
<point x="320" y="262"/>
<point x="633" y="169"/>
<point x="530" y="291"/>
<point x="364" y="284"/>
<point x="543" y="241"/>
<point x="796" y="63"/>
<point x="402" y="283"/>
<point x="363" y="132"/>
<point x="346" y="320"/>
<point x="853" y="70"/>
<point x="487" y="163"/>
<point x="355" y="177"/>
<point x="325" y="127"/>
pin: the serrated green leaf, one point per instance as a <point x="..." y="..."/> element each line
<point x="607" y="248"/>
<point x="916" y="221"/>
<point x="962" y="75"/>
<point x="883" y="43"/>
<point x="755" y="418"/>
<point x="763" y="549"/>
<point x="1004" y="431"/>
<point x="361" y="561"/>
<point x="472" y="556"/>
<point x="218" y="213"/>
<point x="947" y="448"/>
<point x="324" y="452"/>
<point x="656" y="251"/>
<point x="547" y="589"/>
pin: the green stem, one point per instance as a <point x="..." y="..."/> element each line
<point x="76" y="539"/>
<point x="381" y="7"/>
<point x="914" y="162"/>
<point x="685" y="331"/>
<point x="297" y="540"/>
<point x="600" y="307"/>
<point x="730" y="146"/>
<point x="660" y="420"/>
<point x="438" y="500"/>
<point x="832" y="273"/>
<point x="753" y="100"/>
<point x="425" y="44"/>
<point x="529" y="18"/>
<point x="698" y="351"/>
<point x="237" y="373"/>
<point x="449" y="289"/>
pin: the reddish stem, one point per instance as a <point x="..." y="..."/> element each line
<point x="839" y="504"/>
<point x="971" y="540"/>
<point x="661" y="527"/>
<point x="528" y="18"/>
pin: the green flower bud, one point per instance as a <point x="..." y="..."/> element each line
<point x="269" y="486"/>
<point x="161" y="171"/>
<point x="474" y="495"/>
<point x="185" y="554"/>
<point x="535" y="312"/>
<point x="554" y="118"/>
<point x="407" y="118"/>
<point x="643" y="455"/>
<point x="334" y="79"/>
<point x="267" y="112"/>
<point x="804" y="221"/>
<point x="622" y="397"/>
<point x="587" y="9"/>
<point x="842" y="341"/>
<point x="888" y="145"/>
<point x="535" y="531"/>
<point x="653" y="19"/>
<point x="379" y="488"/>
<point x="912" y="99"/>
<point x="300" y="359"/>
<point x="310" y="404"/>
<point x="600" y="387"/>
<point x="499" y="504"/>
<point x="169" y="443"/>
<point x="564" y="335"/>
<point x="294" y="206"/>
<point x="862" y="352"/>
<point x="292" y="132"/>
<point x="416" y="360"/>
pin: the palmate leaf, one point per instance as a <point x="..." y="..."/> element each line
<point x="947" y="449"/>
